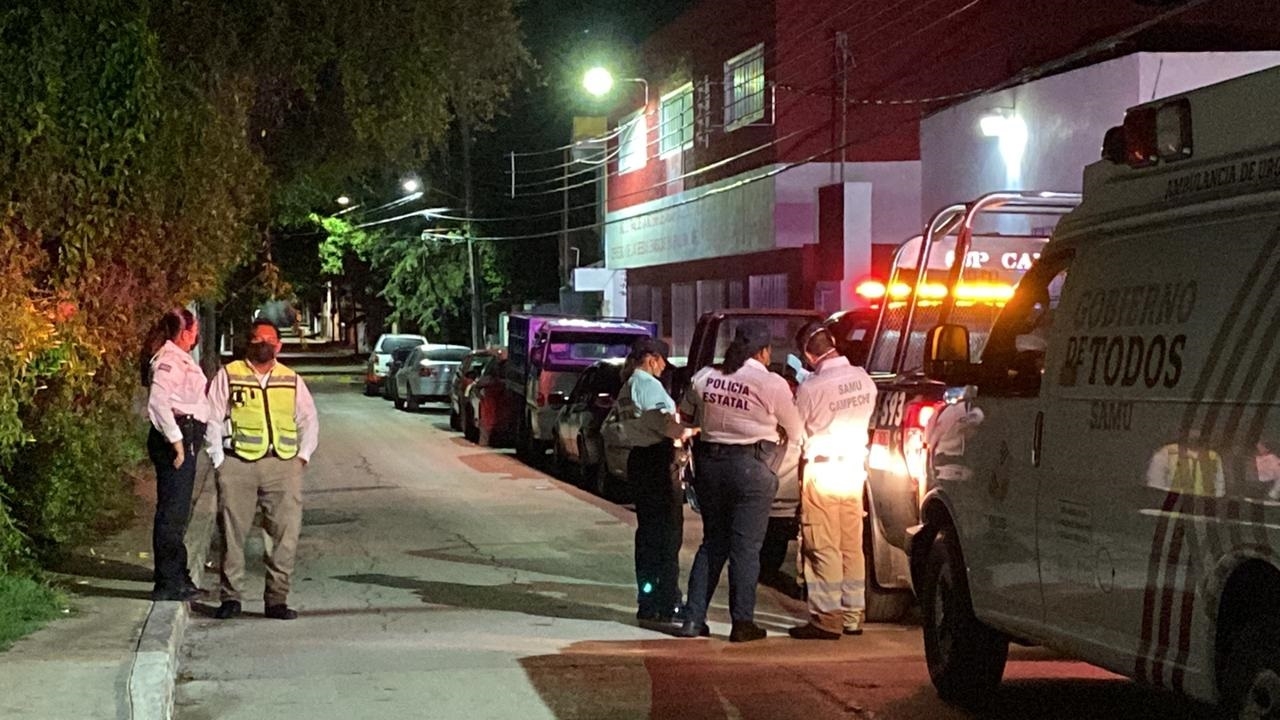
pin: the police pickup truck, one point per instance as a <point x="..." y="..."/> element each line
<point x="961" y="270"/>
<point x="1103" y="477"/>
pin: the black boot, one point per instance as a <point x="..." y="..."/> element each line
<point x="746" y="632"/>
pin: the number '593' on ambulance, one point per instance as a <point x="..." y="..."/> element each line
<point x="1105" y="480"/>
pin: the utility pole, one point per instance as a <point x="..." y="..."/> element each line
<point x="842" y="47"/>
<point x="477" y="322"/>
<point x="564" y="224"/>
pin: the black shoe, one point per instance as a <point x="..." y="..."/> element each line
<point x="678" y="615"/>
<point x="812" y="632"/>
<point x="746" y="632"/>
<point x="692" y="630"/>
<point x="227" y="610"/>
<point x="281" y="612"/>
<point x="853" y="631"/>
<point x="648" y="615"/>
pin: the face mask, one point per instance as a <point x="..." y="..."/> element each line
<point x="260" y="352"/>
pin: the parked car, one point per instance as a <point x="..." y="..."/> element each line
<point x="376" y="368"/>
<point x="490" y="412"/>
<point x="398" y="356"/>
<point x="427" y="374"/>
<point x="578" y="445"/>
<point x="473" y="364"/>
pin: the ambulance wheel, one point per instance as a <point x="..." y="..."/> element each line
<point x="1251" y="673"/>
<point x="966" y="658"/>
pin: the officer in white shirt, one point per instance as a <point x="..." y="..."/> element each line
<point x="651" y="428"/>
<point x="178" y="411"/>
<point x="835" y="403"/>
<point x="739" y="409"/>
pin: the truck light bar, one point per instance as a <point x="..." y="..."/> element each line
<point x="994" y="292"/>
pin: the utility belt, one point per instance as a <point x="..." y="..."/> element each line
<point x="192" y="430"/>
<point x="766" y="451"/>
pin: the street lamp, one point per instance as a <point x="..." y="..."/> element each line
<point x="411" y="185"/>
<point x="343" y="200"/>
<point x="599" y="82"/>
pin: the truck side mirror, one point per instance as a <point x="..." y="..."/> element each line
<point x="946" y="355"/>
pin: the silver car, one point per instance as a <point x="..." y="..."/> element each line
<point x="380" y="358"/>
<point x="427" y="375"/>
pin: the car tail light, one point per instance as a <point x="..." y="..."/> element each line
<point x="918" y="414"/>
<point x="915" y="451"/>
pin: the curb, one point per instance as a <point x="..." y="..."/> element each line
<point x="155" y="662"/>
<point x="153" y="677"/>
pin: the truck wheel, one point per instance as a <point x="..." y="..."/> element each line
<point x="966" y="658"/>
<point x="470" y="427"/>
<point x="1251" y="674"/>
<point x="886" y="606"/>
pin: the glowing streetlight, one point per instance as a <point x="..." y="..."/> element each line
<point x="598" y="81"/>
<point x="411" y="185"/>
<point x="343" y="200"/>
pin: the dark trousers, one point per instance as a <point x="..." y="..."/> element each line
<point x="173" y="505"/>
<point x="659" y="527"/>
<point x="735" y="492"/>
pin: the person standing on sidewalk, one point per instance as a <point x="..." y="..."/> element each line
<point x="739" y="408"/>
<point x="274" y="430"/>
<point x="649" y="425"/>
<point x="835" y="403"/>
<point x="178" y="410"/>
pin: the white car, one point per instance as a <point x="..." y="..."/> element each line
<point x="427" y="375"/>
<point x="380" y="358"/>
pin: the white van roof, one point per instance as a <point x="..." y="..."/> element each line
<point x="1216" y="142"/>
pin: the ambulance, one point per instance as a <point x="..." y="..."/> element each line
<point x="1103" y="479"/>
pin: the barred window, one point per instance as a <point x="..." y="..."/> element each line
<point x="676" y="121"/>
<point x="744" y="89"/>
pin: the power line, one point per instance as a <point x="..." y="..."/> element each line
<point x="1019" y="78"/>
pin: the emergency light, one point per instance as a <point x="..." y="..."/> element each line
<point x="1150" y="135"/>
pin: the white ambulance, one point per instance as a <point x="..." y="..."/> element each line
<point x="1105" y="480"/>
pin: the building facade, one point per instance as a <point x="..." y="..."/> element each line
<point x="786" y="147"/>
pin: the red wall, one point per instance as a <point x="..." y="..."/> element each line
<point x="902" y="51"/>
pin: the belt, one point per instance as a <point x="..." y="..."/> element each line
<point x="727" y="448"/>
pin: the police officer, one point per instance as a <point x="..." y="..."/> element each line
<point x="651" y="428"/>
<point x="178" y="411"/>
<point x="739" y="409"/>
<point x="835" y="403"/>
<point x="273" y="432"/>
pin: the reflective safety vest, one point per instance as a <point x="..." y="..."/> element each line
<point x="1192" y="470"/>
<point x="262" y="420"/>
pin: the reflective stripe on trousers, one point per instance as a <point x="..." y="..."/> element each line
<point x="831" y="541"/>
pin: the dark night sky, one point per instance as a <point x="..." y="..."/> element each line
<point x="566" y="37"/>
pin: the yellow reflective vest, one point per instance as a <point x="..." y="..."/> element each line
<point x="262" y="420"/>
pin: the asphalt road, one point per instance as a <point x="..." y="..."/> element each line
<point x="441" y="580"/>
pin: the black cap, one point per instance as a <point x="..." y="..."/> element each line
<point x="649" y="346"/>
<point x="753" y="336"/>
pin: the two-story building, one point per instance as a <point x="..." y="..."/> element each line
<point x="781" y="155"/>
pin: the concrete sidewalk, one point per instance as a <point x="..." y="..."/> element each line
<point x="115" y="656"/>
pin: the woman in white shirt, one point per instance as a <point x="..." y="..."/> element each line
<point x="178" y="411"/>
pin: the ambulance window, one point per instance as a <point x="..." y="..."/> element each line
<point x="1013" y="361"/>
